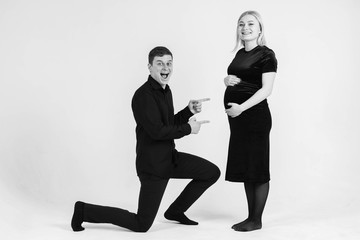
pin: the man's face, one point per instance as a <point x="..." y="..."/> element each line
<point x="161" y="69"/>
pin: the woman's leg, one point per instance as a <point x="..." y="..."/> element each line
<point x="250" y="195"/>
<point x="257" y="194"/>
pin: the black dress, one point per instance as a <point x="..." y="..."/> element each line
<point x="248" y="156"/>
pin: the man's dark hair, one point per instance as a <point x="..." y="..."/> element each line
<point x="158" y="52"/>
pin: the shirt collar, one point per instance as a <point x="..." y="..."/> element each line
<point x="155" y="85"/>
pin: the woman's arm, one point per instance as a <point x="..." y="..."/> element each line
<point x="265" y="91"/>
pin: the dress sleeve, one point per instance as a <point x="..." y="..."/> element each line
<point x="269" y="62"/>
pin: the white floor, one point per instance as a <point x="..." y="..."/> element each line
<point x="22" y="221"/>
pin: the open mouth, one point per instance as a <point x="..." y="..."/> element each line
<point x="164" y="75"/>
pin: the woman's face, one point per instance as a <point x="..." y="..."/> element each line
<point x="249" y="28"/>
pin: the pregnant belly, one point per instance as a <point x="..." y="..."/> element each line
<point x="236" y="95"/>
<point x="239" y="95"/>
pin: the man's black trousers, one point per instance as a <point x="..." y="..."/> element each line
<point x="202" y="172"/>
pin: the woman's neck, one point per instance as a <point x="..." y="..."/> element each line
<point x="250" y="45"/>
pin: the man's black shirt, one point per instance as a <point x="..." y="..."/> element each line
<point x="156" y="128"/>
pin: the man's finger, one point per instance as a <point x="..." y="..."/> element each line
<point x="202" y="100"/>
<point x="203" y="121"/>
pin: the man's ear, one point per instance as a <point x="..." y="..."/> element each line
<point x="149" y="66"/>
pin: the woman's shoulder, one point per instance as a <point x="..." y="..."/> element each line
<point x="267" y="53"/>
<point x="260" y="51"/>
<point x="240" y="51"/>
<point x="267" y="50"/>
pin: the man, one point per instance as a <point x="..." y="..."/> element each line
<point x="157" y="159"/>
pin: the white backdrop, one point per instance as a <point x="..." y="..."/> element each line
<point x="68" y="70"/>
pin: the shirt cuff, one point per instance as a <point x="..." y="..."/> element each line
<point x="187" y="112"/>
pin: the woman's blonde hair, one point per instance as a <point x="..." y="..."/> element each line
<point x="261" y="39"/>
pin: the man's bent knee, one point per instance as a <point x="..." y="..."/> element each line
<point x="142" y="229"/>
<point x="144" y="225"/>
<point x="216" y="174"/>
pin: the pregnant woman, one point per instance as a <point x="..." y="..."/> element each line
<point x="249" y="82"/>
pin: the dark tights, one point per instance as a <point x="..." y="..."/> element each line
<point x="256" y="195"/>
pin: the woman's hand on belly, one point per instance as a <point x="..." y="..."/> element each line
<point x="234" y="110"/>
<point x="231" y="80"/>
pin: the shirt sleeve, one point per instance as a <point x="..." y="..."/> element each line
<point x="183" y="116"/>
<point x="148" y="116"/>
<point x="269" y="62"/>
